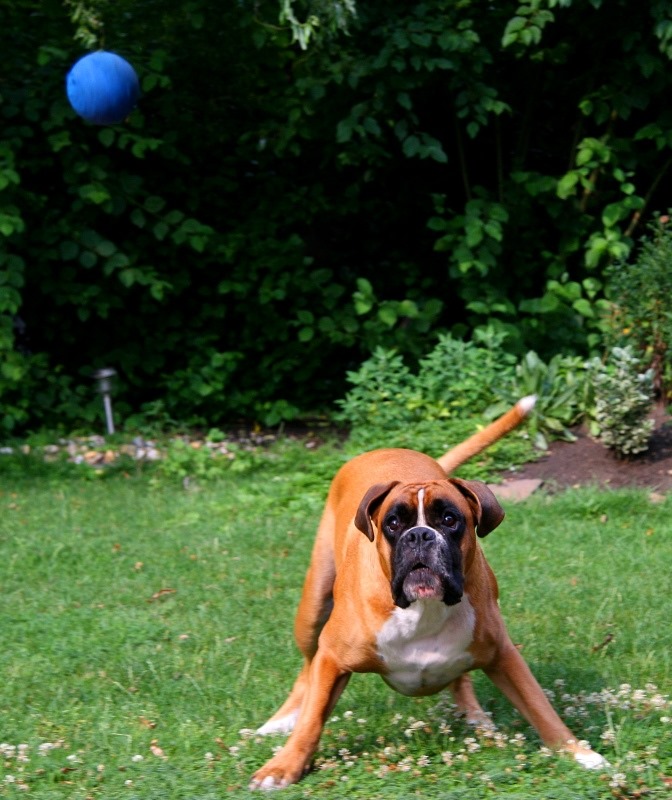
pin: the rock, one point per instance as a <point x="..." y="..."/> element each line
<point x="516" y="490"/>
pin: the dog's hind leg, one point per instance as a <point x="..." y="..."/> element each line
<point x="317" y="598"/>
<point x="313" y="612"/>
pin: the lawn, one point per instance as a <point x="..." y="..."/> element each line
<point x="146" y="631"/>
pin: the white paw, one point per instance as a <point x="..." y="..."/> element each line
<point x="268" y="784"/>
<point x="281" y="726"/>
<point x="591" y="760"/>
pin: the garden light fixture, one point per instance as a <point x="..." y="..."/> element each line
<point x="104" y="378"/>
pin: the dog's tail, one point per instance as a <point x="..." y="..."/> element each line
<point x="489" y="435"/>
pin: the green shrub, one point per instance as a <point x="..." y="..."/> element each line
<point x="641" y="310"/>
<point x="622" y="400"/>
<point x="434" y="408"/>
<point x="559" y="387"/>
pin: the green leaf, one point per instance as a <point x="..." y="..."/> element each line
<point x="138" y="218"/>
<point x="69" y="250"/>
<point x="155" y="204"/>
<point x="567" y="185"/>
<point x="584" y="307"/>
<point x="107" y="136"/>
<point x="411" y="146"/>
<point x="160" y="230"/>
<point x="612" y="214"/>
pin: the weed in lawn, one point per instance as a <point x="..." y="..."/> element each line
<point x="145" y="627"/>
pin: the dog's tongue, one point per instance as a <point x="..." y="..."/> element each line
<point x="426" y="591"/>
<point x="421" y="584"/>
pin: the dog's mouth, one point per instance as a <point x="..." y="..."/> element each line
<point x="422" y="583"/>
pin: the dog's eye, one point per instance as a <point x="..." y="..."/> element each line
<point x="393" y="523"/>
<point x="449" y="520"/>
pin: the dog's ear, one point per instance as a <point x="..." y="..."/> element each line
<point x="370" y="502"/>
<point x="487" y="511"/>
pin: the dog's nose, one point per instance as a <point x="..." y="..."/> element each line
<point x="418" y="536"/>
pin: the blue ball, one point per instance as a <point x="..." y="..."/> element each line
<point x="102" y="87"/>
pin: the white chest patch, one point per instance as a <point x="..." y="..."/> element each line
<point x="424" y="646"/>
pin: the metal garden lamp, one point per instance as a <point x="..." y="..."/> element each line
<point x="104" y="378"/>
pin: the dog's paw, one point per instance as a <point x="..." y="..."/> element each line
<point x="584" y="756"/>
<point x="267" y="784"/>
<point x="276" y="774"/>
<point x="591" y="760"/>
<point x="479" y="719"/>
<point x="281" y="726"/>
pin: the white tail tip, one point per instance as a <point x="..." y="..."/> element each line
<point x="526" y="404"/>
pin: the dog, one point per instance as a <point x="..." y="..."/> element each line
<point x="398" y="585"/>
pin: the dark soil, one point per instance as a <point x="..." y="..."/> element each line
<point x="587" y="462"/>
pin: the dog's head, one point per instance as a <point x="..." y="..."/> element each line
<point x="427" y="534"/>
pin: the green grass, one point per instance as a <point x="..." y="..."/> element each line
<point x="113" y="687"/>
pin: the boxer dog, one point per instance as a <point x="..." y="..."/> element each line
<point x="398" y="585"/>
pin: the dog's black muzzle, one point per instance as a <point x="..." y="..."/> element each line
<point x="424" y="568"/>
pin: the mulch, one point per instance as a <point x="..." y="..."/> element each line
<point x="587" y="462"/>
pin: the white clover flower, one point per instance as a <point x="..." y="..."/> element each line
<point x="136" y="758"/>
<point x="618" y="781"/>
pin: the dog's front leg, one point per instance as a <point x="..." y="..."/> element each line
<point x="510" y="673"/>
<point x="326" y="682"/>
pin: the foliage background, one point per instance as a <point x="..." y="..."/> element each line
<point x="270" y="214"/>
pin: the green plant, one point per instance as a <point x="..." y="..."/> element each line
<point x="623" y="395"/>
<point x="640" y="291"/>
<point x="435" y="407"/>
<point x="559" y="388"/>
<point x="196" y="461"/>
<point x="457" y="376"/>
<point x="381" y="390"/>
